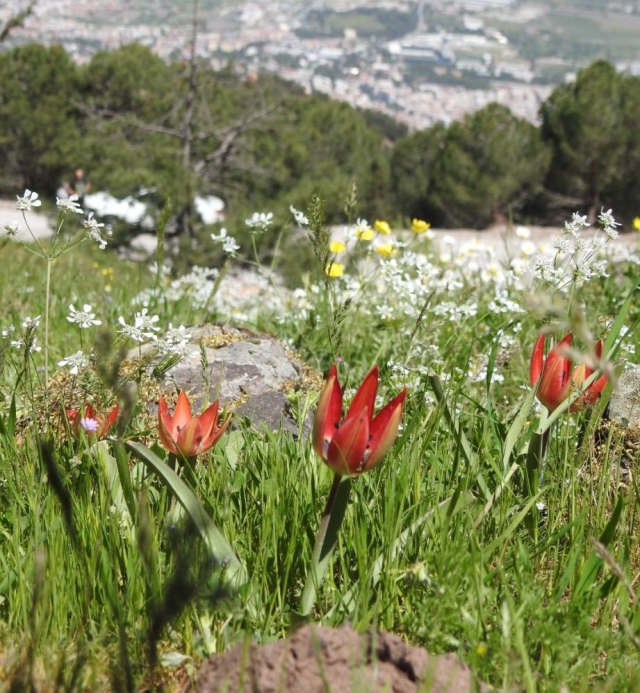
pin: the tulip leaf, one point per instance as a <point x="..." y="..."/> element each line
<point x="326" y="540"/>
<point x="220" y="549"/>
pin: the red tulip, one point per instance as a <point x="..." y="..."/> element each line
<point x="94" y="423"/>
<point x="360" y="441"/>
<point x="590" y="396"/>
<point x="186" y="434"/>
<point x="555" y="377"/>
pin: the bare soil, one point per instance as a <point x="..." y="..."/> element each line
<point x="324" y="660"/>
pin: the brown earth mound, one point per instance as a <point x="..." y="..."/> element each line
<point x="326" y="660"/>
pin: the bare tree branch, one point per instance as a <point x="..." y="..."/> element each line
<point x="17" y="20"/>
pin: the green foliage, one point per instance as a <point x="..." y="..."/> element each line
<point x="472" y="173"/>
<point x="591" y="124"/>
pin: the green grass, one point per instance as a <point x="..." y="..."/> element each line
<point x="83" y="576"/>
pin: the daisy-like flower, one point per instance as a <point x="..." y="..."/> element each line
<point x="12" y="228"/>
<point x="228" y="243"/>
<point x="69" y="204"/>
<point x="90" y="425"/>
<point x="636" y="224"/>
<point x="143" y="326"/>
<point x="259" y="221"/>
<point x="363" y="231"/>
<point x="383" y="227"/>
<point x="300" y="218"/>
<point x="420" y="226"/>
<point x="75" y="363"/>
<point x="337" y="247"/>
<point x="94" y="231"/>
<point x="83" y="318"/>
<point x="335" y="269"/>
<point x="386" y="249"/>
<point x="523" y="232"/>
<point x="27" y="201"/>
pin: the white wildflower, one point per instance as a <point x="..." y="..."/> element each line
<point x="523" y="232"/>
<point x="143" y="326"/>
<point x="74" y="363"/>
<point x="12" y="228"/>
<point x="300" y="218"/>
<point x="260" y="221"/>
<point x="228" y="243"/>
<point x="93" y="229"/>
<point x="68" y="204"/>
<point x="83" y="318"/>
<point x="27" y="201"/>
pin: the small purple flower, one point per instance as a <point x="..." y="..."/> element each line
<point x="89" y="425"/>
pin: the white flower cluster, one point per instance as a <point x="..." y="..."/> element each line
<point x="95" y="232"/>
<point x="27" y="341"/>
<point x="175" y="342"/>
<point x="259" y="221"/>
<point x="27" y="201"/>
<point x="68" y="204"/>
<point x="83" y="318"/>
<point x="227" y="242"/>
<point x="299" y="217"/>
<point x="12" y="228"/>
<point x="74" y="363"/>
<point x="144" y="326"/>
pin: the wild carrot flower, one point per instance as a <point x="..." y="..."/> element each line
<point x="75" y="363"/>
<point x="186" y="434"/>
<point x="358" y="442"/>
<point x="12" y="228"/>
<point x="94" y="231"/>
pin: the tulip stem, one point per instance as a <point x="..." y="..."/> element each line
<point x="326" y="540"/>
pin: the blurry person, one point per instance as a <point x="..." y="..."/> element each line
<point x="80" y="186"/>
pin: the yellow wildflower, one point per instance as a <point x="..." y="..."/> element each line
<point x="335" y="269"/>
<point x="364" y="234"/>
<point x="420" y="226"/>
<point x="636" y="223"/>
<point x="386" y="249"/>
<point x="382" y="227"/>
<point x="481" y="650"/>
<point x="337" y="247"/>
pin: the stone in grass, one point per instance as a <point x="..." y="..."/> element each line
<point x="624" y="406"/>
<point x="319" y="659"/>
<point x="248" y="372"/>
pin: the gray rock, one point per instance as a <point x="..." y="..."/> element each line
<point x="624" y="407"/>
<point x="243" y="369"/>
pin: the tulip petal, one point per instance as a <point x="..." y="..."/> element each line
<point x="328" y="413"/>
<point x="181" y="415"/>
<point x="555" y="382"/>
<point x="190" y="438"/>
<point x="209" y="419"/>
<point x="537" y="359"/>
<point x="165" y="426"/>
<point x="590" y="396"/>
<point x="366" y="395"/>
<point x="346" y="450"/>
<point x="208" y="443"/>
<point x="383" y="432"/>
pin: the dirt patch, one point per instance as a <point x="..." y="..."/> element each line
<point x="326" y="660"/>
